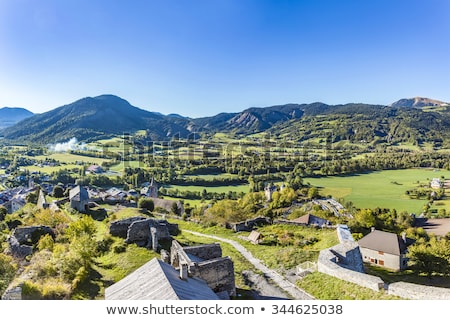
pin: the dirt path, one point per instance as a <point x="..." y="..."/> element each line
<point x="284" y="284"/>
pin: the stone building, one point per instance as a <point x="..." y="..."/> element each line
<point x="151" y="190"/>
<point x="205" y="262"/>
<point x="189" y="273"/>
<point x="79" y="199"/>
<point x="269" y="190"/>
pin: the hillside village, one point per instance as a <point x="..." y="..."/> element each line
<point x="208" y="274"/>
<point x="86" y="218"/>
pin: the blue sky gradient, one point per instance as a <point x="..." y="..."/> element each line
<point x="202" y="57"/>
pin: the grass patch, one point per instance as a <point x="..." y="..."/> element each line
<point x="289" y="256"/>
<point x="325" y="287"/>
<point x="114" y="266"/>
<point x="408" y="276"/>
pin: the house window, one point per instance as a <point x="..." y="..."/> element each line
<point x="380" y="252"/>
<point x="381" y="262"/>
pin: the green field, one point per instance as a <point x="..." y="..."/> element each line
<point x="222" y="189"/>
<point x="120" y="167"/>
<point x="49" y="169"/>
<point x="72" y="158"/>
<point x="384" y="189"/>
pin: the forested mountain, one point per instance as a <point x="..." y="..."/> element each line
<point x="92" y="118"/>
<point x="10" y="116"/>
<point x="370" y="124"/>
<point x="414" y="121"/>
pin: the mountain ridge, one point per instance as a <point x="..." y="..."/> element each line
<point x="418" y="102"/>
<point x="104" y="116"/>
<point x="10" y="116"/>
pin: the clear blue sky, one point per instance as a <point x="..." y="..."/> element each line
<point x="201" y="57"/>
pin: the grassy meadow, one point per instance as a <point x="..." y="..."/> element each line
<point x="384" y="189"/>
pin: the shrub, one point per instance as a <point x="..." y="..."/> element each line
<point x="46" y="242"/>
<point x="31" y="291"/>
<point x="146" y="203"/>
<point x="55" y="289"/>
<point x="7" y="271"/>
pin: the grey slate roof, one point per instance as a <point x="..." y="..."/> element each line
<point x="383" y="241"/>
<point x="78" y="194"/>
<point x="157" y="280"/>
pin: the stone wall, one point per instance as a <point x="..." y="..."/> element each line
<point x="120" y="228"/>
<point x="206" y="262"/>
<point x="13" y="294"/>
<point x="18" y="250"/>
<point x="343" y="261"/>
<point x="249" y="225"/>
<point x="418" y="292"/>
<point x="218" y="274"/>
<point x="205" y="252"/>
<point x="31" y="235"/>
<point x="145" y="232"/>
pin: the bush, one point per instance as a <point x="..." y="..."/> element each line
<point x="55" y="289"/>
<point x="104" y="245"/>
<point x="119" y="248"/>
<point x="46" y="242"/>
<point x="31" y="291"/>
<point x="7" y="271"/>
<point x="146" y="203"/>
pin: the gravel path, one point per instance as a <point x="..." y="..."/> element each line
<point x="282" y="282"/>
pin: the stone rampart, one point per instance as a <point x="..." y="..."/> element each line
<point x="413" y="291"/>
<point x="341" y="261"/>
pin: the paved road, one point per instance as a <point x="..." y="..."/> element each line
<point x="281" y="281"/>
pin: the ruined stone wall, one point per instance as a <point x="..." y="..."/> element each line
<point x="13" y="294"/>
<point x="120" y="228"/>
<point x="218" y="274"/>
<point x="205" y="252"/>
<point x="249" y="224"/>
<point x="418" y="292"/>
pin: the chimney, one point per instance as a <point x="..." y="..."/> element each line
<point x="183" y="271"/>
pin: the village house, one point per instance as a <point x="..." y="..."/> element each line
<point x="150" y="190"/>
<point x="385" y="249"/>
<point x="94" y="169"/>
<point x="312" y="220"/>
<point x="14" y="204"/>
<point x="114" y="195"/>
<point x="79" y="199"/>
<point x="436" y="183"/>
